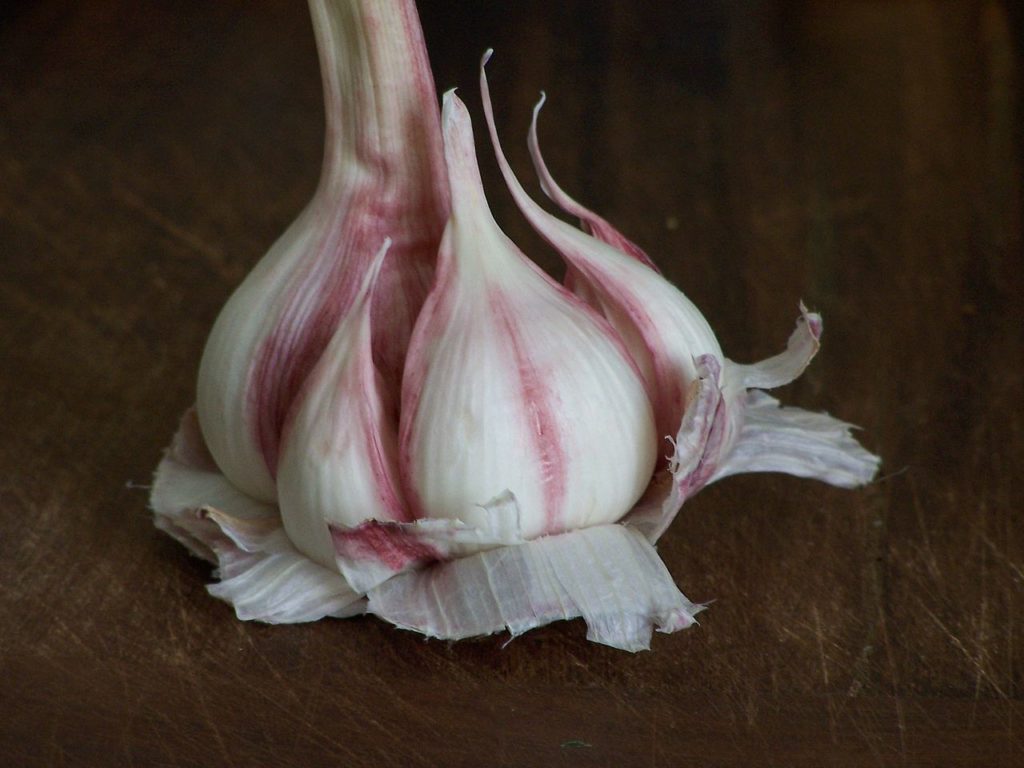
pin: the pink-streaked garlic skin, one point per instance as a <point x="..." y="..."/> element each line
<point x="662" y="329"/>
<point x="339" y="452"/>
<point x="513" y="384"/>
<point x="382" y="124"/>
<point x="223" y="390"/>
<point x="383" y="177"/>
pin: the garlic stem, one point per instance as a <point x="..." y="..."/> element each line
<point x="383" y="177"/>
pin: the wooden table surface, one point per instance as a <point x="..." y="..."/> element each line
<point x="863" y="157"/>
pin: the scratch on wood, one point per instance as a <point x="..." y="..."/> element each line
<point x="341" y="749"/>
<point x="178" y="233"/>
<point x="890" y="657"/>
<point x="982" y="640"/>
<point x="1009" y="656"/>
<point x="1017" y="570"/>
<point x="929" y="553"/>
<point x="820" y="636"/>
<point x="958" y="644"/>
<point x="208" y="717"/>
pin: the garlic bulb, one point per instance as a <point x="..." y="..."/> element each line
<point x="383" y="176"/>
<point x="472" y="448"/>
<point x="514" y="384"/>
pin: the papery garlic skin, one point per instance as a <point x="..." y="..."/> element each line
<point x="259" y="571"/>
<point x="339" y="457"/>
<point x="383" y="176"/>
<point x="513" y="384"/>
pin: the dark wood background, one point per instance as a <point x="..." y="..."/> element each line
<point x="865" y="157"/>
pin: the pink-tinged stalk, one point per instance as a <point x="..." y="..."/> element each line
<point x="513" y="384"/>
<point x="383" y="177"/>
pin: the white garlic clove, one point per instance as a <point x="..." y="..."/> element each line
<point x="339" y="451"/>
<point x="512" y="383"/>
<point x="662" y="329"/>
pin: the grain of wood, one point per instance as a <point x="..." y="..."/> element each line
<point x="862" y="157"/>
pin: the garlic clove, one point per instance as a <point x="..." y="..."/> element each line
<point x="512" y="383"/>
<point x="228" y="371"/>
<point x="339" y="453"/>
<point x="662" y="329"/>
<point x="383" y="175"/>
